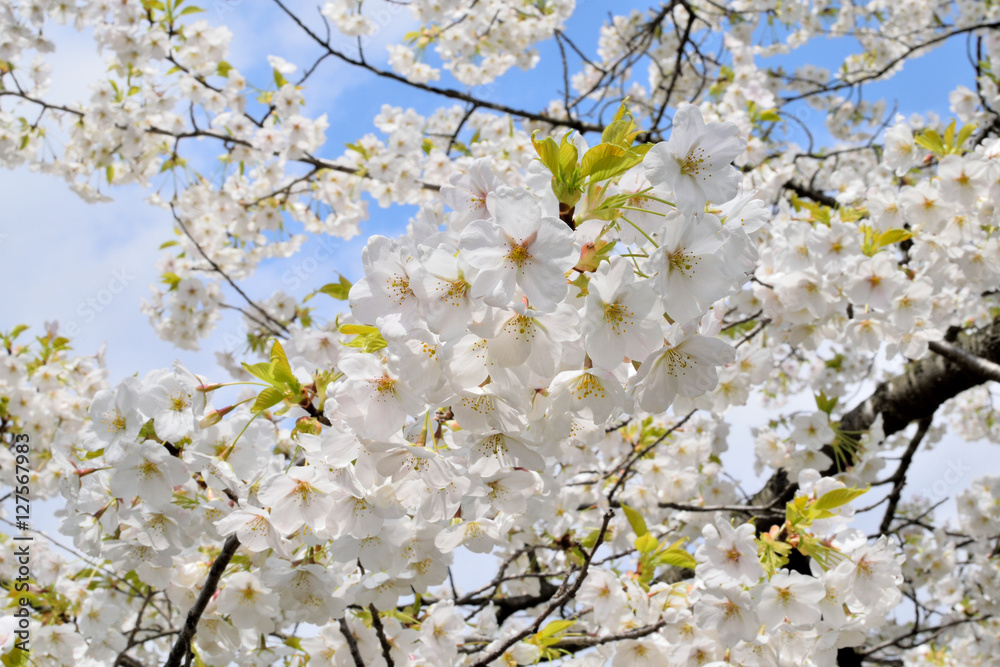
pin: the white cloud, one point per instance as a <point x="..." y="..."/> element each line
<point x="87" y="266"/>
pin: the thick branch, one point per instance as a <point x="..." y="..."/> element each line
<point x="970" y="362"/>
<point x="925" y="385"/>
<point x="574" y="644"/>
<point x="915" y="394"/>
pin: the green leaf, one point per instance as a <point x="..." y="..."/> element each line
<point x="646" y="543"/>
<point x="358" y="329"/>
<point x="677" y="557"/>
<point x="949" y="134"/>
<point x="262" y="371"/>
<point x="367" y="337"/>
<point x="837" y="498"/>
<point x="553" y="628"/>
<point x="171" y="279"/>
<point x="223" y="68"/>
<point x="618" y="133"/>
<point x="548" y="152"/>
<point x="825" y="403"/>
<point x="590" y="540"/>
<point x="891" y="236"/>
<point x="267" y="399"/>
<point x="190" y="10"/>
<point x="602" y="161"/>
<point x="167" y="244"/>
<point x="279" y="79"/>
<point x="15" y="658"/>
<point x="964" y="134"/>
<point x="279" y="360"/>
<point x="635" y="520"/>
<point x="768" y="116"/>
<point x="568" y="155"/>
<point x="338" y="290"/>
<point x="147" y="432"/>
<point x="930" y="140"/>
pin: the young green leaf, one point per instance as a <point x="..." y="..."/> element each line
<point x="635" y="520"/>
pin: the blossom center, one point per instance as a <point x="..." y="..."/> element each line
<point x="588" y="386"/>
<point x="615" y="314"/>
<point x="680" y="261"/>
<point x="457" y="290"/>
<point x="384" y="385"/>
<point x="518" y="255"/>
<point x="692" y="165"/>
<point x="179" y="402"/>
<point x="398" y="289"/>
<point x="115" y="423"/>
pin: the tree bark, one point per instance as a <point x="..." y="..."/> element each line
<point x="913" y="395"/>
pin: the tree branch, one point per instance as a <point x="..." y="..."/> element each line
<point x="561" y="598"/>
<point x="970" y="362"/>
<point x="352" y="643"/>
<point x="183" y="643"/>
<point x="578" y="125"/>
<point x="899" y="477"/>
<point x="914" y="394"/>
<point x="382" y="639"/>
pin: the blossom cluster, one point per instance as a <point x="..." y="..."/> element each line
<point x="539" y="368"/>
<point x="482" y="384"/>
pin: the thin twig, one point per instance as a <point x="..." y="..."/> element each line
<point x="899" y="477"/>
<point x="565" y="593"/>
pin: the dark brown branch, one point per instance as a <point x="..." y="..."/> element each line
<point x="352" y="643"/>
<point x="183" y="644"/>
<point x="626" y="467"/>
<point x="574" y="644"/>
<point x="229" y="280"/>
<point x="382" y="639"/>
<point x="892" y="63"/>
<point x="970" y="362"/>
<point x="913" y="395"/>
<point x="675" y="75"/>
<point x="451" y="93"/>
<point x="899" y="477"/>
<point x="917" y="630"/>
<point x="566" y="593"/>
<point x="811" y="193"/>
<point x="924" y="386"/>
